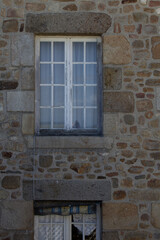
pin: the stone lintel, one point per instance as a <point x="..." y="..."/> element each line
<point x="68" y="23"/>
<point x="69" y="190"/>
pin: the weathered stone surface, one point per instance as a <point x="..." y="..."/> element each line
<point x="110" y="124"/>
<point x="20" y="101"/>
<point x="155" y="155"/>
<point x="120" y="216"/>
<point x="151" y="145"/>
<point x="35" y="7"/>
<point x="27" y="189"/>
<point x="112" y="78"/>
<point x="87" y="5"/>
<point x="116" y="50"/>
<point x="129" y="119"/>
<point x="144" y="105"/>
<point x="156" y="47"/>
<point x="140" y="17"/>
<point x="119" y="195"/>
<point x="136" y="236"/>
<point x="110" y="236"/>
<point x="15" y="12"/>
<point x="74" y="142"/>
<point x="118" y="102"/>
<point x="73" y="23"/>
<point x="144" y="195"/>
<point x="138" y="44"/>
<point x="10" y="26"/>
<point x="8" y="85"/>
<point x="45" y="161"/>
<point x="3" y="43"/>
<point x="22" y="49"/>
<point x="16" y="215"/>
<point x="154" y="183"/>
<point x="11" y="182"/>
<point x="153" y="82"/>
<point x="72" y="190"/>
<point x="81" y="168"/>
<point x="28" y="79"/>
<point x="4" y="194"/>
<point x="23" y="236"/>
<point x="155" y="215"/>
<point x="70" y="7"/>
<point x="28" y="123"/>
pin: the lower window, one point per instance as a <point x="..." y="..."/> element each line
<point x="68" y="223"/>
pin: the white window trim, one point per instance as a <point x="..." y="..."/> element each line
<point x="68" y="55"/>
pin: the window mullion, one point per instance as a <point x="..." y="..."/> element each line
<point x="70" y="90"/>
<point x="52" y="87"/>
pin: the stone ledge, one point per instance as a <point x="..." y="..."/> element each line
<point x="75" y="190"/>
<point x="71" y="142"/>
<point x="68" y="23"/>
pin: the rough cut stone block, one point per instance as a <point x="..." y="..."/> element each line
<point x="10" y="26"/>
<point x="118" y="102"/>
<point x="11" y="182"/>
<point x="8" y="85"/>
<point x="28" y="78"/>
<point x="22" y="49"/>
<point x="155" y="215"/>
<point x="158" y="97"/>
<point x="116" y="50"/>
<point x="144" y="195"/>
<point x="72" y="190"/>
<point x="23" y="236"/>
<point x="74" y="142"/>
<point x="20" y="101"/>
<point x="27" y="190"/>
<point x="110" y="124"/>
<point x="112" y="78"/>
<point x="123" y="216"/>
<point x="16" y="215"/>
<point x="110" y="236"/>
<point x="28" y="123"/>
<point x="68" y="23"/>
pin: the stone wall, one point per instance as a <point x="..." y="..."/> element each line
<point x="126" y="159"/>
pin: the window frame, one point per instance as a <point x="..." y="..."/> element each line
<point x="66" y="132"/>
<point x="68" y="220"/>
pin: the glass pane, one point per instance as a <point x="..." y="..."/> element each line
<point x="45" y="73"/>
<point x="45" y="51"/>
<point x="45" y="97"/>
<point x="44" y="219"/>
<point x="91" y="93"/>
<point x="78" y="73"/>
<point x="58" y="73"/>
<point x="77" y="218"/>
<point x="91" y="73"/>
<point x="57" y="232"/>
<point x="57" y="219"/>
<point x="78" y="96"/>
<point x="90" y="218"/>
<point x="91" y="52"/>
<point x="58" y="97"/>
<point x="90" y="232"/>
<point x="78" y="118"/>
<point x="45" y="118"/>
<point x="78" y="52"/>
<point x="58" y="52"/>
<point x="58" y="118"/>
<point x="44" y="232"/>
<point x="77" y="232"/>
<point x="91" y="118"/>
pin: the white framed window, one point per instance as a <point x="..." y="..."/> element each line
<point x="77" y="226"/>
<point x="68" y="88"/>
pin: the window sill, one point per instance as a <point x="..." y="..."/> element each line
<point x="71" y="142"/>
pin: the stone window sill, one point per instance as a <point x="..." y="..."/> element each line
<point x="71" y="142"/>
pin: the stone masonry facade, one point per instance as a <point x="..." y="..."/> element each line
<point x="120" y="168"/>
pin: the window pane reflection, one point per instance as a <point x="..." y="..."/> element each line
<point x="45" y="51"/>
